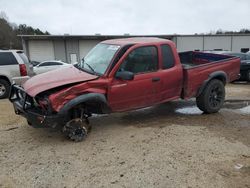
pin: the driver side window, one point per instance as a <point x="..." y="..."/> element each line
<point x="141" y="60"/>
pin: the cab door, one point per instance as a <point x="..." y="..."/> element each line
<point x="142" y="90"/>
<point x="171" y="74"/>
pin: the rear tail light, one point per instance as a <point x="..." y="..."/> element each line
<point x="23" y="70"/>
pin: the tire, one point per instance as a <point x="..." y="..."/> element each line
<point x="76" y="129"/>
<point x="4" y="88"/>
<point x="212" y="97"/>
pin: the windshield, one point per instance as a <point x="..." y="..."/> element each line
<point x="99" y="58"/>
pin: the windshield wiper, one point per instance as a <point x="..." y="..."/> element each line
<point x="91" y="68"/>
<point x="78" y="65"/>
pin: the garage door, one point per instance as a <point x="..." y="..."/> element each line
<point x="41" y="50"/>
<point x="85" y="46"/>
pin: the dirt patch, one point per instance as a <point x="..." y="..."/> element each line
<point x="169" y="145"/>
<point x="238" y="90"/>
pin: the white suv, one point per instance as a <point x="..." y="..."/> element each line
<point x="14" y="67"/>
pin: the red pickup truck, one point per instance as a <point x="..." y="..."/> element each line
<point x="120" y="75"/>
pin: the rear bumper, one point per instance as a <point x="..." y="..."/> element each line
<point x="32" y="114"/>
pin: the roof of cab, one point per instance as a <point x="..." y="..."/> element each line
<point x="135" y="40"/>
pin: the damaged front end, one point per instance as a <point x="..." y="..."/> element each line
<point x="37" y="111"/>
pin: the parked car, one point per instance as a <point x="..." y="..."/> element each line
<point x="35" y="63"/>
<point x="14" y="66"/>
<point x="244" y="65"/>
<point x="46" y="66"/>
<point x="121" y="75"/>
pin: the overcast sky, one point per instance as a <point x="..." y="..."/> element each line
<point x="129" y="16"/>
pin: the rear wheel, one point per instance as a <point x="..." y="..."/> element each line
<point x="4" y="88"/>
<point x="212" y="97"/>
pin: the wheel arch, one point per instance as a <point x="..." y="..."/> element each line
<point x="219" y="75"/>
<point x="96" y="102"/>
<point x="5" y="78"/>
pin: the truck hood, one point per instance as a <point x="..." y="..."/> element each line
<point x="55" y="78"/>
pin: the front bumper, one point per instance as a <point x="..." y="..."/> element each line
<point x="24" y="106"/>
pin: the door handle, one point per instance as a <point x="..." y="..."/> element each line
<point x="156" y="79"/>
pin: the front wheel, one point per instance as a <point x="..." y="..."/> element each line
<point x="212" y="97"/>
<point x="76" y="129"/>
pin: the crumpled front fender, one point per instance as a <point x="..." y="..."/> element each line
<point x="97" y="99"/>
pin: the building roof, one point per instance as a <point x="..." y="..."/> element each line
<point x="106" y="37"/>
<point x="86" y="37"/>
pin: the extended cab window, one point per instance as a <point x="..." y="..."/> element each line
<point x="7" y="58"/>
<point x="141" y="60"/>
<point x="167" y="56"/>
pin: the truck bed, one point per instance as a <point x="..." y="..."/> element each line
<point x="197" y="66"/>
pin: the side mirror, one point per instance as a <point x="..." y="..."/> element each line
<point x="125" y="75"/>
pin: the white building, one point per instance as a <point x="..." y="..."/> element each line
<point x="72" y="48"/>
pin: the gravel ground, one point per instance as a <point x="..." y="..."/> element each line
<point x="170" y="145"/>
